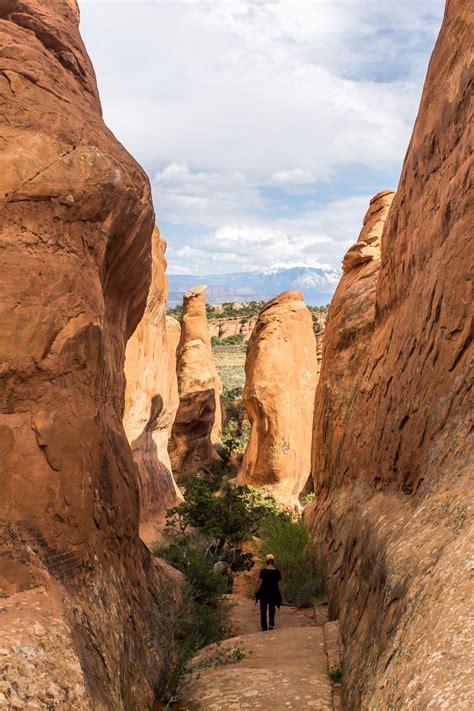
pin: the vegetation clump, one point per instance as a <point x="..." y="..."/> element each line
<point x="298" y="556"/>
<point x="252" y="308"/>
<point x="235" y="340"/>
<point x="203" y="540"/>
<point x="335" y="676"/>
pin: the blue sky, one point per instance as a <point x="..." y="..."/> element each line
<point x="265" y="127"/>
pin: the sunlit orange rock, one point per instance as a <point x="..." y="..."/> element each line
<point x="199" y="418"/>
<point x="279" y="398"/>
<point x="77" y="584"/>
<point x="151" y="398"/>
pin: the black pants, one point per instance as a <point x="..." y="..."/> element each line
<point x="263" y="614"/>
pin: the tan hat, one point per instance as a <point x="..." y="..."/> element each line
<point x="270" y="556"/>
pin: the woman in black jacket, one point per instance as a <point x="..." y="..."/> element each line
<point x="269" y="593"/>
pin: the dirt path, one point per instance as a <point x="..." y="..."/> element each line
<point x="286" y="668"/>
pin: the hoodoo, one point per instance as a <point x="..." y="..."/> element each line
<point x="77" y="584"/>
<point x="199" y="418"/>
<point x="279" y="398"/>
<point x="392" y="470"/>
<point x="151" y="397"/>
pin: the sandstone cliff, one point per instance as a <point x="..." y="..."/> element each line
<point x="199" y="418"/>
<point x="223" y="327"/>
<point x="279" y="398"/>
<point x="392" y="472"/>
<point x="151" y="398"/>
<point x="75" y="227"/>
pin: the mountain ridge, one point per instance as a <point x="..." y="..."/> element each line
<point x="316" y="283"/>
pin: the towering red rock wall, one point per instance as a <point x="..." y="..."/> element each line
<point x="75" y="226"/>
<point x="151" y="398"/>
<point x="392" y="457"/>
<point x="280" y="383"/>
<point x="199" y="418"/>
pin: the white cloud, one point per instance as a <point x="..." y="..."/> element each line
<point x="252" y="87"/>
<point x="223" y="101"/>
<point x="233" y="248"/>
<point x="293" y="177"/>
<point x="203" y="198"/>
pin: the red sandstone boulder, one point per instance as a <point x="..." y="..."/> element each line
<point x="151" y="398"/>
<point x="279" y="398"/>
<point x="199" y="418"/>
<point x="391" y="454"/>
<point x="78" y="585"/>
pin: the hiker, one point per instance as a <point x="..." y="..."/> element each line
<point x="269" y="593"/>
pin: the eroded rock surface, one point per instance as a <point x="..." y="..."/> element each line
<point x="199" y="418"/>
<point x="151" y="397"/>
<point x="75" y="226"/>
<point x="240" y="326"/>
<point x="279" y="398"/>
<point x="286" y="668"/>
<point x="392" y="454"/>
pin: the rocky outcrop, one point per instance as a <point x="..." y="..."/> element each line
<point x="77" y="584"/>
<point x="151" y="398"/>
<point x="348" y="334"/>
<point x="279" y="398"/>
<point x="393" y="477"/>
<point x="241" y="326"/>
<point x="199" y="418"/>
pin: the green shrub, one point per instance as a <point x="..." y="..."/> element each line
<point x="335" y="676"/>
<point x="188" y="554"/>
<point x="228" y="518"/>
<point x="308" y="498"/>
<point x="297" y="557"/>
<point x="181" y="629"/>
<point x="250" y="309"/>
<point x="234" y="340"/>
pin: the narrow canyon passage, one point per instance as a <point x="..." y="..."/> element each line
<point x="355" y="418"/>
<point x="285" y="668"/>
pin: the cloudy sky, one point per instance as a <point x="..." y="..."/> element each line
<point x="265" y="126"/>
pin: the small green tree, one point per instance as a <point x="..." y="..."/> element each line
<point x="297" y="555"/>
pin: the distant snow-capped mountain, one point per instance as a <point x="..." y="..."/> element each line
<point x="316" y="283"/>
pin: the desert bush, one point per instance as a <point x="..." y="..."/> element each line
<point x="296" y="555"/>
<point x="182" y="629"/>
<point x="228" y="518"/>
<point x="191" y="556"/>
<point x="234" y="340"/>
<point x="250" y="309"/>
<point x="209" y="526"/>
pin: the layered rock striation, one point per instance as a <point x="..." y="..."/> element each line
<point x="240" y="326"/>
<point x="151" y="397"/>
<point x="199" y="417"/>
<point x="78" y="585"/>
<point x="278" y="396"/>
<point x="392" y="458"/>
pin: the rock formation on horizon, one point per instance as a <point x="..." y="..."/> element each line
<point x="236" y="326"/>
<point x="77" y="584"/>
<point x="278" y="396"/>
<point x="392" y="456"/>
<point x="199" y="418"/>
<point x="151" y="397"/>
